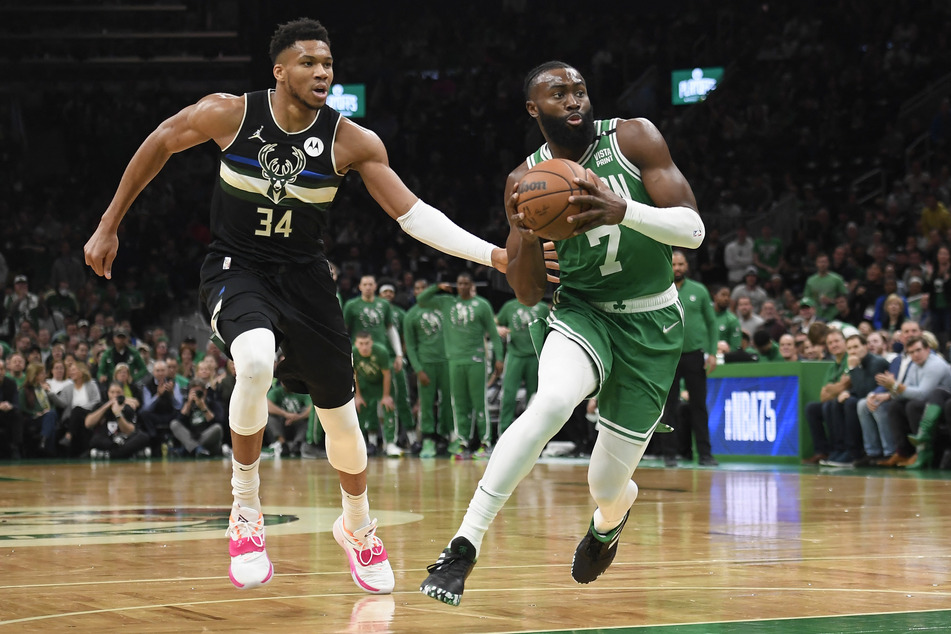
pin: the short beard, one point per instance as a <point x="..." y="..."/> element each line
<point x="559" y="133"/>
<point x="296" y="95"/>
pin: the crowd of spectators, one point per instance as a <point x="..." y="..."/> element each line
<point x="811" y="99"/>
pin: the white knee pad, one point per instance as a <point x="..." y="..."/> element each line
<point x="346" y="449"/>
<point x="253" y="354"/>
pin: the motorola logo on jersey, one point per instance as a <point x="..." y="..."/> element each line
<point x="314" y="146"/>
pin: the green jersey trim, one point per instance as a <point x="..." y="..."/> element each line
<point x="634" y="170"/>
<point x="556" y="324"/>
<point x="627" y="434"/>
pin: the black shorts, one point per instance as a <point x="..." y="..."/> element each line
<point x="298" y="302"/>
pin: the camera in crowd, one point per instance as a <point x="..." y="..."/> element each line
<point x="120" y="399"/>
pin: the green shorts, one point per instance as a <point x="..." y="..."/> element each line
<point x="634" y="353"/>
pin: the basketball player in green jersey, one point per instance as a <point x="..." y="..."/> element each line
<point x="426" y="349"/>
<point x="521" y="361"/>
<point x="467" y="320"/>
<point x="404" y="413"/>
<point x="373" y="367"/>
<point x="616" y="330"/>
<point x="377" y="316"/>
<point x="374" y="315"/>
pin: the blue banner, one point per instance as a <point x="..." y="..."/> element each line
<point x="754" y="416"/>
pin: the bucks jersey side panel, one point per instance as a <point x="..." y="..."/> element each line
<point x="612" y="262"/>
<point x="274" y="188"/>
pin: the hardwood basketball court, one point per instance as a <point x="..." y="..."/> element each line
<point x="140" y="546"/>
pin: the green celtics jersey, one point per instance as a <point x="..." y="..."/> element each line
<point x="370" y="369"/>
<point x="375" y="316"/>
<point x="516" y="316"/>
<point x="700" y="332"/>
<point x="290" y="401"/>
<point x="728" y="328"/>
<point x="422" y="330"/>
<point x="612" y="262"/>
<point x="466" y="324"/>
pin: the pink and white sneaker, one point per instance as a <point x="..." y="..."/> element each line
<point x="369" y="565"/>
<point x="250" y="566"/>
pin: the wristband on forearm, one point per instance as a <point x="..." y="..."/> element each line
<point x="676" y="226"/>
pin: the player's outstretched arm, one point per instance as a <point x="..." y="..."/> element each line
<point x="216" y="117"/>
<point x="362" y="150"/>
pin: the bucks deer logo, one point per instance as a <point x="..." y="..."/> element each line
<point x="281" y="171"/>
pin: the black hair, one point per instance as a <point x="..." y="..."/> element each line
<point x="296" y="31"/>
<point x="538" y="70"/>
<point x="761" y="338"/>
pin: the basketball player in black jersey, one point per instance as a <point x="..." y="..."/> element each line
<point x="266" y="280"/>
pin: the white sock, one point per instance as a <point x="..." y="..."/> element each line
<point x="245" y="483"/>
<point x="356" y="510"/>
<point x="483" y="507"/>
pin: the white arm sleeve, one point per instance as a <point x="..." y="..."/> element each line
<point x="676" y="226"/>
<point x="394" y="338"/>
<point x="430" y="226"/>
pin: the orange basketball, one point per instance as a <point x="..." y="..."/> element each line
<point x="543" y="197"/>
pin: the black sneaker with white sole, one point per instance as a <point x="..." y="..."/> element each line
<point x="447" y="577"/>
<point x="595" y="553"/>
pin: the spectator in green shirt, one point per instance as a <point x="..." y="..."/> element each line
<point x="767" y="253"/>
<point x="121" y="352"/>
<point x="289" y="416"/>
<point x="766" y="349"/>
<point x="820" y="413"/>
<point x="823" y="286"/>
<point x="726" y="322"/>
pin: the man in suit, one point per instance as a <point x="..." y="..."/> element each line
<point x="873" y="408"/>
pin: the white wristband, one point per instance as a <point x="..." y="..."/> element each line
<point x="431" y="226"/>
<point x="676" y="226"/>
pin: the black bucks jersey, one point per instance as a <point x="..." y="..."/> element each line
<point x="275" y="187"/>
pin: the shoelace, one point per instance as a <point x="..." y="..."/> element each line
<point x="447" y="559"/>
<point x="246" y="530"/>
<point x="375" y="544"/>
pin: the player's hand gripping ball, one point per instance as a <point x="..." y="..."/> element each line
<point x="543" y="198"/>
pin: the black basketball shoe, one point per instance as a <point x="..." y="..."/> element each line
<point x="595" y="553"/>
<point x="447" y="577"/>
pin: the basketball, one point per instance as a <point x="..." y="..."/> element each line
<point x="543" y="197"/>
